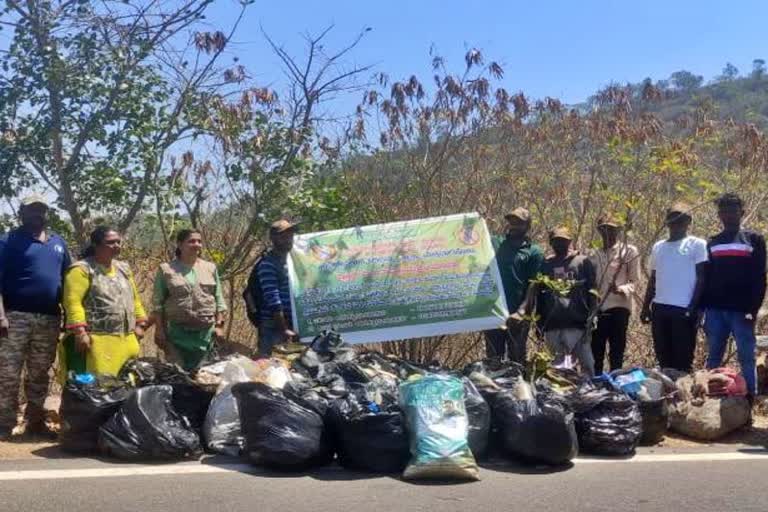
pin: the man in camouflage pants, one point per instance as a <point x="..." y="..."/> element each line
<point x="32" y="265"/>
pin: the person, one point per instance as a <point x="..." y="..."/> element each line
<point x="617" y="265"/>
<point x="267" y="294"/>
<point x="519" y="261"/>
<point x="104" y="315"/>
<point x="32" y="265"/>
<point x="673" y="297"/>
<point x="566" y="301"/>
<point x="735" y="289"/>
<point x="188" y="303"/>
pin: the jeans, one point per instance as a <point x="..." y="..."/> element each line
<point x="269" y="336"/>
<point x="509" y="344"/>
<point x="718" y="326"/>
<point x="563" y="342"/>
<point x="674" y="337"/>
<point x="611" y="330"/>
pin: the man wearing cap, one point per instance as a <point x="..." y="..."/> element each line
<point x="565" y="305"/>
<point x="32" y="265"/>
<point x="617" y="265"/>
<point x="519" y="261"/>
<point x="673" y="297"/>
<point x="735" y="289"/>
<point x="268" y="293"/>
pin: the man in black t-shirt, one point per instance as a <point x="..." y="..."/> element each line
<point x="566" y="302"/>
<point x="735" y="288"/>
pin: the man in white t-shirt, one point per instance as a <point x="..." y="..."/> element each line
<point x="674" y="292"/>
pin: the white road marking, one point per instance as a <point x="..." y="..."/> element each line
<point x="133" y="470"/>
<point x="192" y="468"/>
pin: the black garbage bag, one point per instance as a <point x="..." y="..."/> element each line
<point x="148" y="428"/>
<point x="148" y="371"/>
<point x="281" y="432"/>
<point x="655" y="415"/>
<point x="539" y="430"/>
<point x="368" y="437"/>
<point x="85" y="408"/>
<point x="608" y="422"/>
<point x="327" y="347"/>
<point x="191" y="402"/>
<point x="479" y="415"/>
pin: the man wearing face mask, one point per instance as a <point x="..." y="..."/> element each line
<point x="519" y="260"/>
<point x="32" y="264"/>
<point x="565" y="304"/>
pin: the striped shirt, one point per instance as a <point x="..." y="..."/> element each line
<point x="275" y="290"/>
<point x="736" y="273"/>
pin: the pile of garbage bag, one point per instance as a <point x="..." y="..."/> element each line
<point x="87" y="402"/>
<point x="529" y="423"/>
<point x="147" y="427"/>
<point x="310" y="405"/>
<point x="608" y="422"/>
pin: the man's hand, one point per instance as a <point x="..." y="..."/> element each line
<point x="288" y="335"/>
<point x="4" y="328"/>
<point x="646" y="315"/>
<point x="139" y="331"/>
<point x="749" y="317"/>
<point x="161" y="337"/>
<point x="82" y="342"/>
<point x="517" y="317"/>
<point x="219" y="332"/>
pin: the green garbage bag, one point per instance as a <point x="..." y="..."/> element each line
<point x="438" y="426"/>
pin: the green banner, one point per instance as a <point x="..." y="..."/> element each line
<point x="396" y="281"/>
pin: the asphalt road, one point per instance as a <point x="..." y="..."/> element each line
<point x="700" y="481"/>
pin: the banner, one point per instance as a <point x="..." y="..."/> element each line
<point x="396" y="281"/>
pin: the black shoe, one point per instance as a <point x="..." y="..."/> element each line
<point x="5" y="434"/>
<point x="40" y="431"/>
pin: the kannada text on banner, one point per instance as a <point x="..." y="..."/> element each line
<point x="396" y="281"/>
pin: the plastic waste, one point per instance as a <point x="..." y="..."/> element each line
<point x="86" y="404"/>
<point x="537" y="430"/>
<point x="221" y="428"/>
<point x="147" y="371"/>
<point x="369" y="436"/>
<point x="438" y="427"/>
<point x="279" y="432"/>
<point x="148" y="428"/>
<point x="607" y="422"/>
<point x="192" y="403"/>
<point x="479" y="416"/>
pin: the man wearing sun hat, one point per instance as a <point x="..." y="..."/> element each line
<point x="267" y="295"/>
<point x="565" y="304"/>
<point x="617" y="266"/>
<point x="519" y="260"/>
<point x="32" y="263"/>
<point x="673" y="297"/>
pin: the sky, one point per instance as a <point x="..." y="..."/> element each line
<point x="565" y="49"/>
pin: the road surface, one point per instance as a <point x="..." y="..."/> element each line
<point x="701" y="480"/>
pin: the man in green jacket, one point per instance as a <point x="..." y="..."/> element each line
<point x="519" y="261"/>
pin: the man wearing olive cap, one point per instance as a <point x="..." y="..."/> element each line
<point x="673" y="297"/>
<point x="519" y="260"/>
<point x="565" y="304"/>
<point x="617" y="265"/>
<point x="267" y="295"/>
<point x="32" y="264"/>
